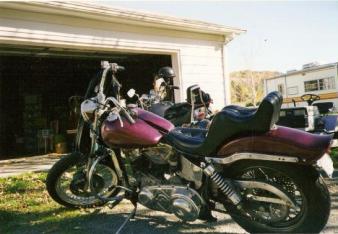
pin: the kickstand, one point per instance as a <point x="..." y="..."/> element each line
<point x="130" y="216"/>
<point x="115" y="201"/>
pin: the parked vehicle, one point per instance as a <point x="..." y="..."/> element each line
<point x="179" y="114"/>
<point x="261" y="174"/>
<point x="314" y="118"/>
<point x="160" y="101"/>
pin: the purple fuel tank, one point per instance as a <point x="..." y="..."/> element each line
<point x="147" y="130"/>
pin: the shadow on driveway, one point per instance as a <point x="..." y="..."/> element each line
<point x="146" y="221"/>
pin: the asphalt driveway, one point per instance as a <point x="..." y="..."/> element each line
<point x="107" y="220"/>
<point x="148" y="221"/>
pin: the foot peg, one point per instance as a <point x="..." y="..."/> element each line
<point x="208" y="217"/>
<point x="115" y="201"/>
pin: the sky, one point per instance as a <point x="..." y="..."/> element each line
<point x="280" y="35"/>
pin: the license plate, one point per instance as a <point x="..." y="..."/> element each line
<point x="334" y="143"/>
<point x="325" y="164"/>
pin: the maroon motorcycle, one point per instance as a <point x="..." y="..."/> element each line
<point x="264" y="176"/>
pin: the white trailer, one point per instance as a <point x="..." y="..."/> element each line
<point x="321" y="80"/>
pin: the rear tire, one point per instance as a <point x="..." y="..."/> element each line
<point x="75" y="199"/>
<point x="316" y="207"/>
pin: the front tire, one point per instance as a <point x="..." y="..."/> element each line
<point x="303" y="182"/>
<point x="66" y="182"/>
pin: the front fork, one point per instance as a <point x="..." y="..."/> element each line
<point x="94" y="160"/>
<point x="113" y="201"/>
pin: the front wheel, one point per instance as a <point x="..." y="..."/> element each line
<point x="302" y="185"/>
<point x="67" y="183"/>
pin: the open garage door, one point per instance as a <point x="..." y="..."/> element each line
<point x="35" y="87"/>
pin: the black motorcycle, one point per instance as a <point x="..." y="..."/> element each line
<point x="183" y="113"/>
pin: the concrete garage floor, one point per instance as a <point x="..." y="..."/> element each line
<point x="148" y="221"/>
<point x="19" y="166"/>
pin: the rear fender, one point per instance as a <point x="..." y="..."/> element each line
<point x="279" y="144"/>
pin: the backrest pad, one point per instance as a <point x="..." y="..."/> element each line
<point x="224" y="126"/>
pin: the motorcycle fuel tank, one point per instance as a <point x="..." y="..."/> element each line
<point x="147" y="130"/>
<point x="154" y="120"/>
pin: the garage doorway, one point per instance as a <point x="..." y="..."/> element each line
<point x="35" y="88"/>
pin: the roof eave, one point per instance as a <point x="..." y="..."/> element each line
<point x="324" y="66"/>
<point x="118" y="15"/>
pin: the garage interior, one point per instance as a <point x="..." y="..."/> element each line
<point x="37" y="83"/>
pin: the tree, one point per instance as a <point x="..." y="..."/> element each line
<point x="247" y="86"/>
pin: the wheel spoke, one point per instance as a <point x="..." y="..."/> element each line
<point x="268" y="200"/>
<point x="71" y="184"/>
<point x="268" y="207"/>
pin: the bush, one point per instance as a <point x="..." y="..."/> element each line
<point x="59" y="138"/>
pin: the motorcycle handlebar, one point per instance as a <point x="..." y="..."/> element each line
<point x="124" y="111"/>
<point x="116" y="68"/>
<point x="173" y="87"/>
<point x="112" y="66"/>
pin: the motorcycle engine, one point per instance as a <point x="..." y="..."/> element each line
<point x="162" y="154"/>
<point x="184" y="202"/>
<point x="160" y="188"/>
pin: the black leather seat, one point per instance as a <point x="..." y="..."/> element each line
<point x="239" y="113"/>
<point x="186" y="139"/>
<point x="231" y="122"/>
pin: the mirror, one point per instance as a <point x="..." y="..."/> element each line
<point x="131" y="93"/>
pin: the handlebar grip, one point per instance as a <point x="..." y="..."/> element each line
<point x="115" y="67"/>
<point x="173" y="87"/>
<point x="120" y="68"/>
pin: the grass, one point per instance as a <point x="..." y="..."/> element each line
<point x="26" y="207"/>
<point x="334" y="156"/>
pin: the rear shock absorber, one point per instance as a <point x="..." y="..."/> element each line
<point x="225" y="185"/>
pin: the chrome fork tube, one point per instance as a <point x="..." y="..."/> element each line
<point x="116" y="164"/>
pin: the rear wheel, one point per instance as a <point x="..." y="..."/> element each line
<point x="67" y="182"/>
<point x="301" y="184"/>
